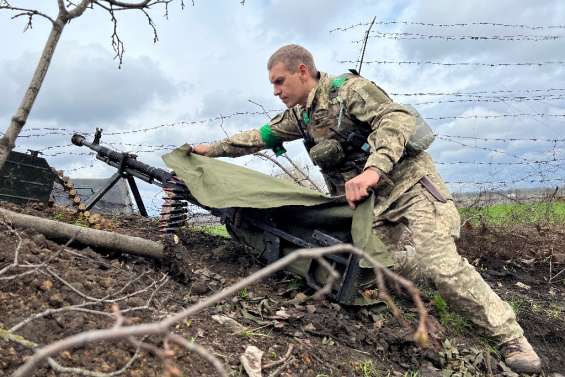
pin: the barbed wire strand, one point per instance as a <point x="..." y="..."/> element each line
<point x="452" y="25"/>
<point x="455" y="64"/>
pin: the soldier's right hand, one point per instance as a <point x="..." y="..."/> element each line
<point x="202" y="149"/>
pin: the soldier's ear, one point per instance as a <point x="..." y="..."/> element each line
<point x="303" y="70"/>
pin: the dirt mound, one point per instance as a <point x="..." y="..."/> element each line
<point x="58" y="291"/>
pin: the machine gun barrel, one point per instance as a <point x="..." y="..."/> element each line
<point x="125" y="161"/>
<point x="174" y="208"/>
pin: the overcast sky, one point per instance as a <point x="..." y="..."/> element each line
<point x="210" y="61"/>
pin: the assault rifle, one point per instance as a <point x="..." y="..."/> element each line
<point x="268" y="232"/>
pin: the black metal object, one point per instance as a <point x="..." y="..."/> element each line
<point x="128" y="167"/>
<point x="26" y="177"/>
<point x="345" y="263"/>
<point x="275" y="240"/>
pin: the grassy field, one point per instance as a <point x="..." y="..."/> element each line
<point x="519" y="213"/>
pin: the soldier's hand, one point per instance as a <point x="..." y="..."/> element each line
<point x="201" y="149"/>
<point x="357" y="188"/>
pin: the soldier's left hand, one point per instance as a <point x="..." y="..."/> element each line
<point x="357" y="188"/>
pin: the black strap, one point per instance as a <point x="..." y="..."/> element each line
<point x="308" y="140"/>
<point x="432" y="189"/>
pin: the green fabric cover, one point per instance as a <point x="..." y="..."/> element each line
<point x="364" y="237"/>
<point x="219" y="184"/>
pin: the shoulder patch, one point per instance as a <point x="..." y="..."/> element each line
<point x="338" y="82"/>
<point x="306" y="118"/>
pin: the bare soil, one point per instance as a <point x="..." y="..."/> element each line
<point x="520" y="263"/>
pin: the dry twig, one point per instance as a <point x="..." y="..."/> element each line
<point x="163" y="327"/>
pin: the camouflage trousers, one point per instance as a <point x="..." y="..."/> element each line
<point x="421" y="232"/>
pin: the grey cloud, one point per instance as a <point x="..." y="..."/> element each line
<point x="539" y="13"/>
<point x="84" y="85"/>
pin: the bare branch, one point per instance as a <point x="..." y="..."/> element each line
<point x="152" y="24"/>
<point x="305" y="174"/>
<point x="139" y="5"/>
<point x="222" y="126"/>
<point x="262" y="108"/>
<point x="163" y="327"/>
<point x="205" y="354"/>
<point x="332" y="278"/>
<point x="117" y="44"/>
<point x="62" y="8"/>
<point x="79" y="9"/>
<point x="17" y="250"/>
<point x="83" y="372"/>
<point x="281" y="361"/>
<point x="25" y="12"/>
<point x="49" y="312"/>
<point x="265" y="156"/>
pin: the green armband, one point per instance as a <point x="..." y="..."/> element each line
<point x="271" y="140"/>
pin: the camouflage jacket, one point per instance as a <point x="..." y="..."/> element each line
<point x="335" y="107"/>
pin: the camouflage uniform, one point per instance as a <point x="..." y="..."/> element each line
<point x="419" y="224"/>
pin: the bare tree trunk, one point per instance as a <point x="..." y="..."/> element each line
<point x="8" y="141"/>
<point x="86" y="236"/>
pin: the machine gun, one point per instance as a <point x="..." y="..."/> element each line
<point x="267" y="231"/>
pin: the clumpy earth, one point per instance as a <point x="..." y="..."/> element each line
<point x="57" y="291"/>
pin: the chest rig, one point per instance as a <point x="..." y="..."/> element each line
<point x="335" y="141"/>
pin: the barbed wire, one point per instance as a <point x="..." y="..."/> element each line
<point x="496" y="116"/>
<point x="501" y="139"/>
<point x="69" y="131"/>
<point x="523" y="161"/>
<point x="79" y="168"/>
<point x="419" y="36"/>
<point x="495" y="150"/>
<point x="494" y="182"/>
<point x="492" y="163"/>
<point x="184" y="123"/>
<point x="507" y="182"/>
<point x="478" y="94"/>
<point x="156" y="147"/>
<point x="455" y="64"/>
<point x="554" y="97"/>
<point x="453" y="25"/>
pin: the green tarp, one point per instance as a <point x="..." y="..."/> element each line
<point x="218" y="184"/>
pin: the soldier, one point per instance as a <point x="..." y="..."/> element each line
<point x="414" y="209"/>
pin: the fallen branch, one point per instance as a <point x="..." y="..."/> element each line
<point x="91" y="237"/>
<point x="282" y="360"/>
<point x="163" y="328"/>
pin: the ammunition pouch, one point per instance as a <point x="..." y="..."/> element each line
<point x="327" y="154"/>
<point x="422" y="137"/>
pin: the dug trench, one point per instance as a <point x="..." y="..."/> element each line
<point x="70" y="290"/>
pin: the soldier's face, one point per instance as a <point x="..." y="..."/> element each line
<point x="290" y="87"/>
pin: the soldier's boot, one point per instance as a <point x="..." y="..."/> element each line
<point x="520" y="356"/>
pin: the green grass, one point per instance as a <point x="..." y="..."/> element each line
<point x="519" y="213"/>
<point x="449" y="319"/>
<point x="244" y="294"/>
<point x="367" y="369"/>
<point x="518" y="305"/>
<point x="213" y="230"/>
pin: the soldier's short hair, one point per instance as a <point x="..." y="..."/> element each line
<point x="292" y="56"/>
